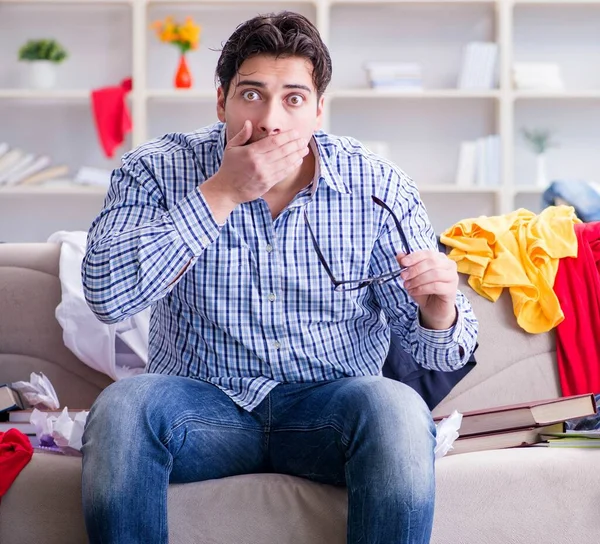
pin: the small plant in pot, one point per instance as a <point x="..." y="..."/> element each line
<point x="43" y="57"/>
<point x="540" y="141"/>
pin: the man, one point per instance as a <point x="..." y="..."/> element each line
<point x="274" y="278"/>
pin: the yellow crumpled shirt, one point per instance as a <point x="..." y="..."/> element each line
<point x="519" y="250"/>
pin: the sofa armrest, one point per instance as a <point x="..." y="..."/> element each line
<point x="513" y="366"/>
<point x="30" y="336"/>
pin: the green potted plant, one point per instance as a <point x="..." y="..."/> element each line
<point x="43" y="57"/>
<point x="539" y="141"/>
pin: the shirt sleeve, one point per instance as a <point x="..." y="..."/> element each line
<point x="444" y="350"/>
<point x="138" y="247"/>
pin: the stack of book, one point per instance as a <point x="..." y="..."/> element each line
<point x="478" y="69"/>
<point x="480" y="162"/>
<point x="395" y="76"/>
<point x="11" y="402"/>
<point x="20" y="167"/>
<point x="518" y="424"/>
<point x="10" y="399"/>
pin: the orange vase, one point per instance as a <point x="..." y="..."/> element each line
<point x="183" y="77"/>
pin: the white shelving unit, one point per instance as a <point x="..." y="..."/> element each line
<point x="109" y="40"/>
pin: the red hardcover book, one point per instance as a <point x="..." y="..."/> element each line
<point x="527" y="414"/>
<point x="503" y="439"/>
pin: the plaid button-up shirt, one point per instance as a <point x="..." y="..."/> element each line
<point x="255" y="307"/>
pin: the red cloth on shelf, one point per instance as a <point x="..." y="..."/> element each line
<point x="577" y="287"/>
<point x="15" y="452"/>
<point x="111" y="115"/>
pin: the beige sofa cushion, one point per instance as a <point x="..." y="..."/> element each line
<point x="514" y="495"/>
<point x="248" y="509"/>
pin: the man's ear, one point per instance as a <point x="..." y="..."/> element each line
<point x="221" y="104"/>
<point x="320" y="107"/>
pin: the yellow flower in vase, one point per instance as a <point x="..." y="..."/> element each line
<point x="186" y="36"/>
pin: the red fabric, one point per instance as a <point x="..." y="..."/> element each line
<point x="111" y="115"/>
<point x="577" y="287"/>
<point x="15" y="453"/>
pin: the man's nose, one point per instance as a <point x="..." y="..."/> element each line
<point x="271" y="120"/>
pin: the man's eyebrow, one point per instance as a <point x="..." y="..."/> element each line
<point x="260" y="84"/>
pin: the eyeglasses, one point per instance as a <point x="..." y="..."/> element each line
<point x="352" y="285"/>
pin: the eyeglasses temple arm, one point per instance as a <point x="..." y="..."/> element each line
<point x="318" y="250"/>
<point x="381" y="203"/>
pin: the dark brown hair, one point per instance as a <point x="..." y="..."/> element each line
<point x="284" y="34"/>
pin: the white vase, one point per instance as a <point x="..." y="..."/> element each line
<point x="42" y="74"/>
<point x="541" y="178"/>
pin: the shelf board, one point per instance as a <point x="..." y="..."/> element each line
<point x="213" y="2"/>
<point x="564" y="95"/>
<point x="80" y="2"/>
<point x="528" y="190"/>
<point x="50" y="190"/>
<point x="315" y="2"/>
<point x="443" y="2"/>
<point x="555" y="2"/>
<point x="26" y="94"/>
<point x="451" y="188"/>
<point x="439" y="93"/>
<point x="181" y="94"/>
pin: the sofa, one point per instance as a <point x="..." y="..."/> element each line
<point x="516" y="496"/>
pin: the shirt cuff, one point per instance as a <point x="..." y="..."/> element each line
<point x="444" y="338"/>
<point x="194" y="221"/>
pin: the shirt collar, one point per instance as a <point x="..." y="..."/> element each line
<point x="326" y="155"/>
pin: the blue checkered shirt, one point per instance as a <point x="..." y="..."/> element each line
<point x="254" y="306"/>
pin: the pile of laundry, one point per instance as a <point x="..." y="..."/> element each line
<point x="550" y="264"/>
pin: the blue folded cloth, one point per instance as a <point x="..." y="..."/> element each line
<point x="432" y="385"/>
<point x="577" y="193"/>
<point x="589" y="423"/>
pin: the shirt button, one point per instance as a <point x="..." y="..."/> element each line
<point x="271" y="297"/>
<point x="276" y="344"/>
<point x="269" y="248"/>
<point x="204" y="240"/>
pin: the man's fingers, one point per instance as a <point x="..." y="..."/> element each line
<point x="242" y="137"/>
<point x="289" y="148"/>
<point x="414" y="257"/>
<point x="420" y="255"/>
<point x="293" y="160"/>
<point x="434" y="263"/>
<point x="418" y="268"/>
<point x="438" y="288"/>
<point x="431" y="276"/>
<point x="275" y="141"/>
<point x="287" y="162"/>
<point x="421" y="260"/>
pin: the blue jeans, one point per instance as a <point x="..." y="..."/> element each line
<point x="372" y="434"/>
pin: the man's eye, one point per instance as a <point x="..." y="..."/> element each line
<point x="250" y="95"/>
<point x="296" y="100"/>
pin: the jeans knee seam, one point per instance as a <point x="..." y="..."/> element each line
<point x="166" y="440"/>
<point x="187" y="419"/>
<point x="315" y="428"/>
